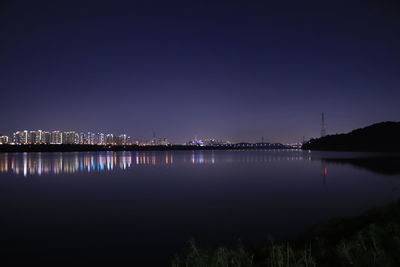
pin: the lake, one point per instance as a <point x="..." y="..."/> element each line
<point x="141" y="208"/>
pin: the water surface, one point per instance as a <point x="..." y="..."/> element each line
<point x="140" y="208"/>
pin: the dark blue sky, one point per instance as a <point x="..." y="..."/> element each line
<point x="234" y="70"/>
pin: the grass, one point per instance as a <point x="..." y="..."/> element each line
<point x="369" y="240"/>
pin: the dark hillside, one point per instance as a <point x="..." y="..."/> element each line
<point x="379" y="137"/>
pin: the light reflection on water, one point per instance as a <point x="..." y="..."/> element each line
<point x="71" y="162"/>
<point x="133" y="199"/>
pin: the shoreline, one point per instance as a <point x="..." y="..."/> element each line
<point x="94" y="148"/>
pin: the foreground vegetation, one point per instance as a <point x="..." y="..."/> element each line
<point x="371" y="239"/>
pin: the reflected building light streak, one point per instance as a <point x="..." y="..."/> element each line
<point x="25" y="163"/>
<point x="43" y="163"/>
<point x="4" y="163"/>
<point x="137" y="158"/>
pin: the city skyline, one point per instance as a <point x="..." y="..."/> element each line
<point x="57" y="137"/>
<point x="75" y="137"/>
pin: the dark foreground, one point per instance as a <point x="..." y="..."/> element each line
<point x="371" y="239"/>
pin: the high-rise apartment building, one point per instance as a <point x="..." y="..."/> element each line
<point x="3" y="139"/>
<point x="24" y="137"/>
<point x="39" y="137"/>
<point x="46" y="138"/>
<point x="69" y="138"/>
<point x="16" y="137"/>
<point x="91" y="138"/>
<point x="122" y="139"/>
<point x="101" y="139"/>
<point x="56" y="137"/>
<point x="109" y="139"/>
<point x="31" y="137"/>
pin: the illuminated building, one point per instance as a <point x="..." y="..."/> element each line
<point x="159" y="142"/>
<point x="76" y="138"/>
<point x="24" y="137"/>
<point x="129" y="141"/>
<point x="68" y="138"/>
<point x="46" y="137"/>
<point x="3" y="139"/>
<point x="15" y="137"/>
<point x="31" y="137"/>
<point x="109" y="139"/>
<point x="90" y="138"/>
<point x="87" y="138"/>
<point x="38" y="137"/>
<point x="56" y="137"/>
<point x="164" y="142"/>
<point x="82" y="138"/>
<point x="101" y="139"/>
<point x="207" y="142"/>
<point x="122" y="139"/>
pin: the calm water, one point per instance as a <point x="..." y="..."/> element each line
<point x="142" y="207"/>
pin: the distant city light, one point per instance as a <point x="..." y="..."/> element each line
<point x="56" y="137"/>
<point x="40" y="137"/>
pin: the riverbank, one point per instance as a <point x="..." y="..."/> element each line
<point x="371" y="239"/>
<point x="379" y="137"/>
<point x="88" y="148"/>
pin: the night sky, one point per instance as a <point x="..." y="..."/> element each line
<point x="235" y="70"/>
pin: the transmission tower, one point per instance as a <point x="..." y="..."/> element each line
<point x="323" y="126"/>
